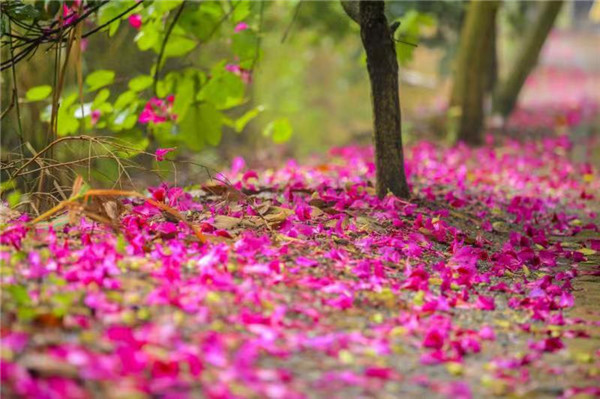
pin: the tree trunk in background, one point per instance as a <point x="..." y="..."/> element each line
<point x="474" y="69"/>
<point x="492" y="61"/>
<point x="382" y="66"/>
<point x="507" y="93"/>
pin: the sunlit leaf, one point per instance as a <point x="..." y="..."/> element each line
<point x="100" y="78"/>
<point x="13" y="198"/>
<point x="280" y="130"/>
<point x="19" y="294"/>
<point x="100" y="98"/>
<point x="178" y="46"/>
<point x="38" y="93"/>
<point x="163" y="6"/>
<point x="67" y="123"/>
<point x="148" y="36"/>
<point x="125" y="99"/>
<point x="140" y="83"/>
<point x="241" y="11"/>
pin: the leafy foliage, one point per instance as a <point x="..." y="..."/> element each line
<point x="205" y="92"/>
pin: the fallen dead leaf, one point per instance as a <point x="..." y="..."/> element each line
<point x="48" y="366"/>
<point x="226" y="222"/>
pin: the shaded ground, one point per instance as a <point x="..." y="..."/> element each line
<point x="308" y="286"/>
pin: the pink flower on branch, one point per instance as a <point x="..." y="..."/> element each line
<point x="240" y="27"/>
<point x="135" y="20"/>
<point x="158" y="110"/>
<point x="95" y="116"/>
<point x="244" y="74"/>
<point x="161" y="152"/>
<point x="69" y="15"/>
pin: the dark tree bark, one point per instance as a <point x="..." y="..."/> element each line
<point x="508" y="92"/>
<point x="474" y="69"/>
<point x="382" y="66"/>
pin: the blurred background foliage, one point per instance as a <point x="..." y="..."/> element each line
<point x="215" y="79"/>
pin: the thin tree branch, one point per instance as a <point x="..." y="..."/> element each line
<point x="164" y="45"/>
<point x="291" y="24"/>
<point x="96" y="29"/>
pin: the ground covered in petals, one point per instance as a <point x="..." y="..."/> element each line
<point x="307" y="285"/>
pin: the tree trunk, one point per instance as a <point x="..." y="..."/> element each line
<point x="491" y="68"/>
<point x="473" y="69"/>
<point x="507" y="94"/>
<point x="382" y="67"/>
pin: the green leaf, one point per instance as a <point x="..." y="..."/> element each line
<point x="66" y="120"/>
<point x="112" y="10"/>
<point x="19" y="295"/>
<point x="38" y="93"/>
<point x="211" y="121"/>
<point x="100" y="98"/>
<point x="140" y="83"/>
<point x="62" y="302"/>
<point x="243" y="120"/>
<point x="178" y="46"/>
<point x="224" y="89"/>
<point x="100" y="78"/>
<point x="280" y="130"/>
<point x="136" y="142"/>
<point x="244" y="46"/>
<point x="205" y="21"/>
<point x="202" y="123"/>
<point x="13" y="198"/>
<point x="26" y="313"/>
<point x="130" y="121"/>
<point x="410" y="31"/>
<point x="163" y="6"/>
<point x="148" y="36"/>
<point x="124" y="120"/>
<point x="121" y="244"/>
<point x="184" y="96"/>
<point x="241" y="11"/>
<point x="105" y="108"/>
<point x="404" y="53"/>
<point x="165" y="86"/>
<point x="106" y="170"/>
<point x="53" y="278"/>
<point x="21" y="11"/>
<point x="125" y="99"/>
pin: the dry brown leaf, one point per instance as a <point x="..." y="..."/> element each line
<point x="278" y="214"/>
<point x="77" y="184"/>
<point x="226" y="222"/>
<point x="252" y="221"/>
<point x="263" y="208"/>
<point x="48" y="366"/>
<point x="319" y="203"/>
<point x="230" y="193"/>
<point x="217" y="239"/>
<point x="7" y="214"/>
<point x="332" y="223"/>
<point x="315" y="212"/>
<point x="500" y="227"/>
<point x="48" y="320"/>
<point x="112" y="210"/>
